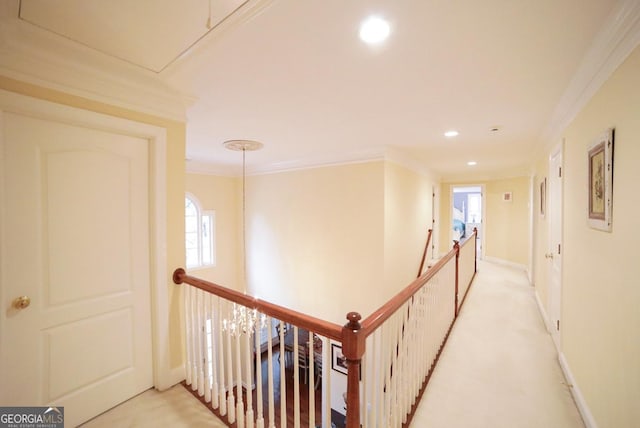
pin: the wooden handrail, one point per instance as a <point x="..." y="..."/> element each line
<point x="308" y="322"/>
<point x="424" y="254"/>
<point x="373" y="321"/>
<point x="468" y="238"/>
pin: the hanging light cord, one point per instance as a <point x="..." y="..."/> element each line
<point x="244" y="223"/>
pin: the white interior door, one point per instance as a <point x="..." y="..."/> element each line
<point x="75" y="241"/>
<point x="554" y="254"/>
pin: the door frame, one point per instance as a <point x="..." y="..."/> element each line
<point x="484" y="215"/>
<point x="555" y="300"/>
<point x="164" y="376"/>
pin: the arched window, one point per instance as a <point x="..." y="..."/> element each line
<point x="199" y="234"/>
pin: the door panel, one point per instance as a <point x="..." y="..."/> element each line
<point x="75" y="199"/>
<point x="75" y="236"/>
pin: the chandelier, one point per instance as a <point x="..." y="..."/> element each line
<point x="243" y="319"/>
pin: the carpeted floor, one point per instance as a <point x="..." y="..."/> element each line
<point x="499" y="367"/>
<point x="175" y="408"/>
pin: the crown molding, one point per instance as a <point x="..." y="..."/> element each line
<point x="387" y="154"/>
<point x="617" y="38"/>
<point x="362" y="156"/>
<point x="39" y="57"/>
<point x="406" y="161"/>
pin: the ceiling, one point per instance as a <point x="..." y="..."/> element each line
<point x="294" y="75"/>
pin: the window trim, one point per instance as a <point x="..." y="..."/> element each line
<point x="200" y="215"/>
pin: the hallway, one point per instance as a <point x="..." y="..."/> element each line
<point x="498" y="369"/>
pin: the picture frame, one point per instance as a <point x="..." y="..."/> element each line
<point x="338" y="360"/>
<point x="543" y="197"/>
<point x="600" y="181"/>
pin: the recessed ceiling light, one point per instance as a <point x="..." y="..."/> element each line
<point x="451" y="134"/>
<point x="374" y="30"/>
<point x="472" y="163"/>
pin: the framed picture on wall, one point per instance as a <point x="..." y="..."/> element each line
<point x="600" y="180"/>
<point x="543" y="196"/>
<point x="338" y="361"/>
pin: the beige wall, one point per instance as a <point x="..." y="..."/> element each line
<point x="407" y="218"/>
<point x="315" y="241"/>
<point x="506" y="224"/>
<point x="175" y="186"/>
<point x="600" y="295"/>
<point x="331" y="240"/>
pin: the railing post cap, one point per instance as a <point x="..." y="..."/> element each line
<point x="353" y="318"/>
<point x="177" y="275"/>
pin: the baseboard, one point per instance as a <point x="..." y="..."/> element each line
<point x="585" y="413"/>
<point x="543" y="314"/>
<point x="173" y="377"/>
<point x="505" y="263"/>
<point x="583" y="408"/>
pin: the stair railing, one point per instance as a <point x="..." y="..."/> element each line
<point x="424" y="253"/>
<point x="389" y="356"/>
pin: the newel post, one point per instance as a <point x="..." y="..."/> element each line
<point x="456" y="246"/>
<point x="353" y="346"/>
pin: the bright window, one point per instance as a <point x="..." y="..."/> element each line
<point x="474" y="210"/>
<point x="199" y="230"/>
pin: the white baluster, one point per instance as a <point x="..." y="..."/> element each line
<point x="372" y="353"/>
<point x="187" y="322"/>
<point x="259" y="404"/>
<point x="231" y="399"/>
<point x="200" y="342"/>
<point x="215" y="345"/>
<point x="283" y="380"/>
<point x="208" y="342"/>
<point x="312" y="392"/>
<point x="249" y="355"/>
<point x="270" y="397"/>
<point x="326" y="383"/>
<point x="397" y="370"/>
<point x="240" y="403"/>
<point x="388" y="361"/>
<point x="404" y="355"/>
<point x="296" y="379"/>
<point x="223" y="391"/>
<point x="194" y="340"/>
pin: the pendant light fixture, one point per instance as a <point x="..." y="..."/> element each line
<point x="243" y="319"/>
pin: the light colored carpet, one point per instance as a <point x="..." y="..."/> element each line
<point x="499" y="367"/>
<point x="174" y="408"/>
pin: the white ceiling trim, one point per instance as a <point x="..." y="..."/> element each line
<point x="196" y="54"/>
<point x="362" y="156"/>
<point x="384" y="154"/>
<point x="39" y="57"/>
<point x="619" y="36"/>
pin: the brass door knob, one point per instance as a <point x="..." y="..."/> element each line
<point x="21" y="302"/>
